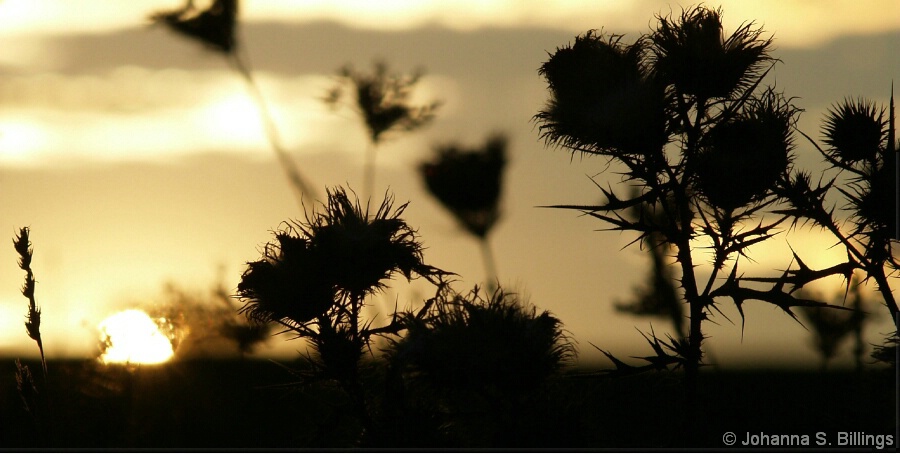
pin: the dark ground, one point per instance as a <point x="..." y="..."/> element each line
<point x="224" y="405"/>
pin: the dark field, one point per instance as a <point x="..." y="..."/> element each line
<point x="242" y="405"/>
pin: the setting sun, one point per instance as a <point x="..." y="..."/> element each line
<point x="133" y="337"/>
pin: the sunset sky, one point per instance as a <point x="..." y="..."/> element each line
<point x="137" y="157"/>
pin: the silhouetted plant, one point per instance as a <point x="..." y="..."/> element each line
<point x="35" y="399"/>
<point x="469" y="351"/>
<point x="315" y="277"/>
<point x="23" y="247"/>
<point x="469" y="183"/>
<point x="382" y="99"/>
<point x="859" y="143"/>
<point x="216" y="28"/>
<point x="689" y="87"/>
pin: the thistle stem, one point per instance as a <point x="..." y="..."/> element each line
<point x="298" y="183"/>
<point x="369" y="170"/>
<point x="490" y="267"/>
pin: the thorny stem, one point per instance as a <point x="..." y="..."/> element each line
<point x="298" y="183"/>
<point x="688" y="280"/>
<point x="874" y="270"/>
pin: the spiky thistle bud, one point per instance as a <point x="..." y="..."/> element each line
<point x="854" y="131"/>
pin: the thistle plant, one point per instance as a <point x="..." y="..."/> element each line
<point x="382" y="100"/>
<point x="216" y="28"/>
<point x="472" y="351"/>
<point x="683" y="111"/>
<point x="860" y="144"/>
<point x="469" y="183"/>
<point x="316" y="277"/>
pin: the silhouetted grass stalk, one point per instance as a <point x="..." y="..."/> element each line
<point x="33" y="319"/>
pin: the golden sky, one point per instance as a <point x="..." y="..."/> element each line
<point x="137" y="158"/>
<point x="799" y="22"/>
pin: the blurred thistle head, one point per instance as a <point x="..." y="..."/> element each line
<point x="383" y="100"/>
<point x="498" y="344"/>
<point x="468" y="182"/>
<point x="742" y="159"/>
<point x="854" y="131"/>
<point x="214" y="26"/>
<point x="342" y="251"/>
<point x="602" y="100"/>
<point x="692" y="53"/>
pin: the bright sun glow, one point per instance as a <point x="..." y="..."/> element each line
<point x="133" y="337"/>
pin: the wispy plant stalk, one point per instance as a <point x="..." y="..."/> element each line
<point x="297" y="181"/>
<point x="215" y="28"/>
<point x="33" y="319"/>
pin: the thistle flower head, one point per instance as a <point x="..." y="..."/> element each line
<point x="286" y="283"/>
<point x="468" y="182"/>
<point x="692" y="53"/>
<point x="360" y="250"/>
<point x="214" y="26"/>
<point x="601" y="99"/>
<point x="854" y="131"/>
<point x="343" y="250"/>
<point x="742" y="159"/>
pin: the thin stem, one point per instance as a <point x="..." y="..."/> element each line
<point x="369" y="170"/>
<point x="298" y="183"/>
<point x="490" y="268"/>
